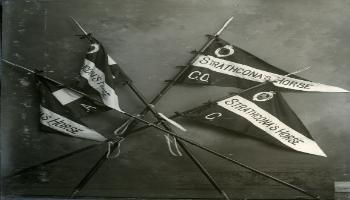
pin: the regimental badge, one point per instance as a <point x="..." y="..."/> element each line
<point x="224" y="51"/>
<point x="93" y="48"/>
<point x="263" y="96"/>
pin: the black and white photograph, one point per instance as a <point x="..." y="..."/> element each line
<point x="175" y="99"/>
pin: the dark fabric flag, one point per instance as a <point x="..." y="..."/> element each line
<point x="100" y="74"/>
<point x="60" y="109"/>
<point x="260" y="112"/>
<point x="223" y="64"/>
<point x="79" y="105"/>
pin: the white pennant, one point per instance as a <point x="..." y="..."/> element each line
<point x="96" y="79"/>
<point x="111" y="61"/>
<point x="67" y="126"/>
<point x="271" y="125"/>
<point x="246" y="72"/>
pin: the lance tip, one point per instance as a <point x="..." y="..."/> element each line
<point x="298" y="71"/>
<point x="73" y="19"/>
<point x="231" y="18"/>
<point x="308" y="67"/>
<point x="79" y="26"/>
<point x="303" y="69"/>
<point x="229" y="21"/>
<point x="224" y="26"/>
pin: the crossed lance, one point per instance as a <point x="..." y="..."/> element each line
<point x="114" y="143"/>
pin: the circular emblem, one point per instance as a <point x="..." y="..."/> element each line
<point x="93" y="48"/>
<point x="224" y="51"/>
<point x="263" y="96"/>
<point x="212" y="116"/>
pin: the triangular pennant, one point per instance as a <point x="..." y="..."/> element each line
<point x="79" y="105"/>
<point x="99" y="75"/>
<point x="58" y="115"/>
<point x="223" y="64"/>
<point x="260" y="112"/>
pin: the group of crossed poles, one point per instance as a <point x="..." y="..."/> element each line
<point x="166" y="129"/>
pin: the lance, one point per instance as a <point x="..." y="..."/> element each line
<point x="204" y="148"/>
<point x="186" y="150"/>
<point x="154" y="101"/>
<point x="50" y="161"/>
<point x="99" y="101"/>
<point x="173" y="81"/>
<point x="178" y="114"/>
<point x="190" y="62"/>
<point x="172" y="134"/>
<point x="150" y="108"/>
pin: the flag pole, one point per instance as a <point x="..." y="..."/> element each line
<point x="21" y="171"/>
<point x="177" y="76"/>
<point x="144" y="111"/>
<point x="261" y="84"/>
<point x="87" y="96"/>
<point x="177" y="114"/>
<point x="236" y="162"/>
<point x="187" y="151"/>
<point x="171" y="83"/>
<point x="94" y="145"/>
<point x="180" y="73"/>
<point x="190" y="62"/>
<point x="80" y="27"/>
<point x="167" y="87"/>
<point x="150" y="108"/>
